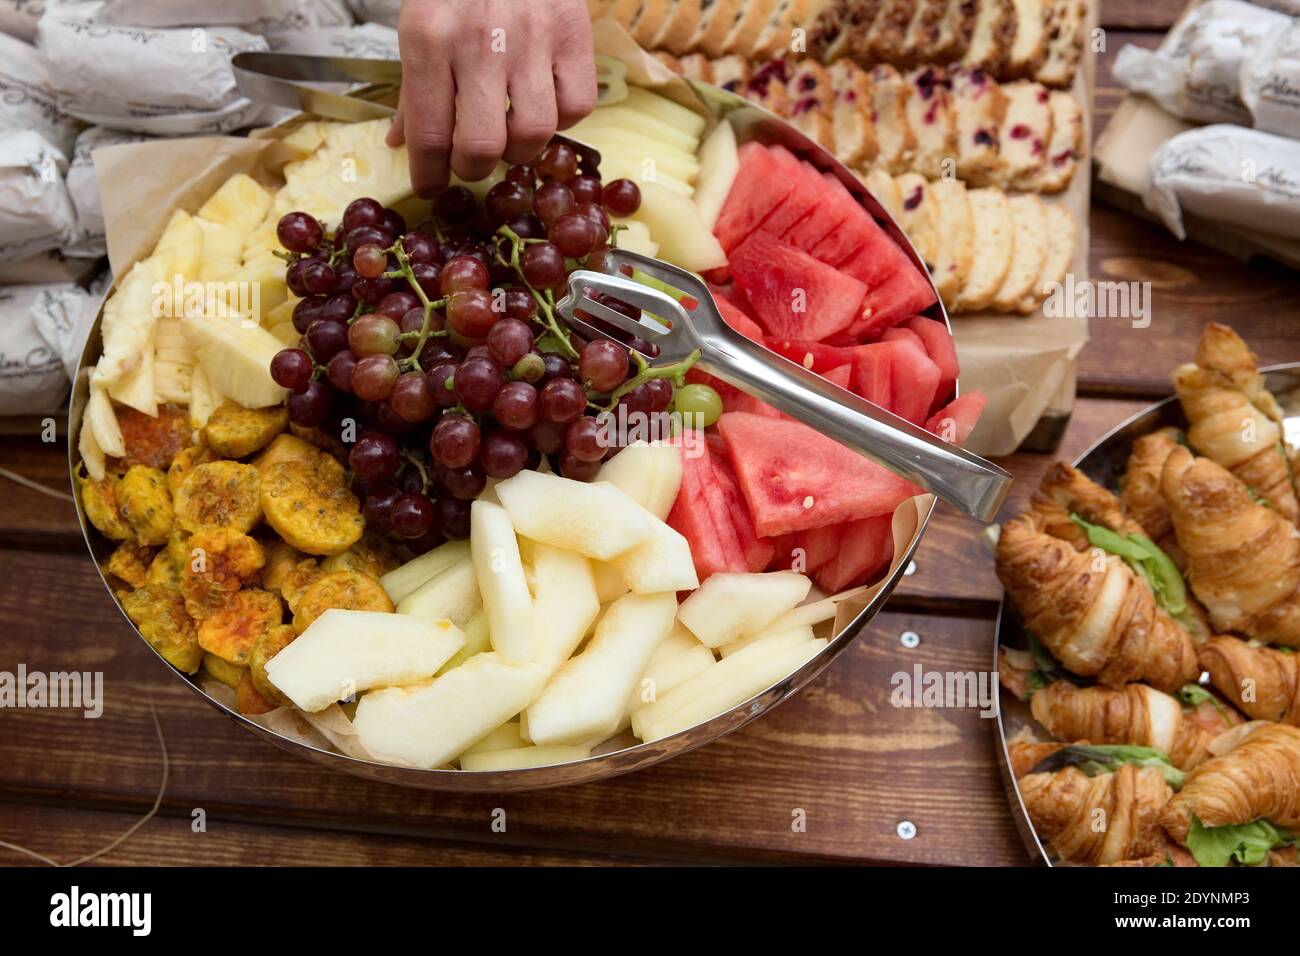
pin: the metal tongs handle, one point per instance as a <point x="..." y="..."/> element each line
<point x="966" y="481"/>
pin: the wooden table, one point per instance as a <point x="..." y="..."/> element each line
<point x="854" y="765"/>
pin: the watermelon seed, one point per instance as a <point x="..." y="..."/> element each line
<point x="808" y="502"/>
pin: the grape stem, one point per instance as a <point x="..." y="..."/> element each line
<point x="412" y="362"/>
<point x="545" y="308"/>
<point x="419" y="466"/>
<point x="645" y="372"/>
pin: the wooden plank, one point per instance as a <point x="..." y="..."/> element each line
<point x="65" y="834"/>
<point x="30" y="518"/>
<point x="954" y="570"/>
<point x="1156" y="15"/>
<point x="839" y="752"/>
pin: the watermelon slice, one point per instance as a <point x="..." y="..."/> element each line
<point x="784" y="552"/>
<point x="840" y="375"/>
<point x="758" y="552"/>
<point x="738" y="320"/>
<point x="942" y="351"/>
<point x="895" y="300"/>
<point x="822" y="219"/>
<point x="873" y="376"/>
<point x="864" y="550"/>
<point x="914" y="380"/>
<point x="759" y="187"/>
<point x="814" y="355"/>
<point x="794" y="296"/>
<point x="700" y="515"/>
<point x="956" y="420"/>
<point x="807" y="194"/>
<point x="819" y="545"/>
<point x="794" y="478"/>
<point x="901" y="333"/>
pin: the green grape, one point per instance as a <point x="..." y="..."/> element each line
<point x="701" y="402"/>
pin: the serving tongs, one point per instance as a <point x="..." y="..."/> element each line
<point x="693" y="323"/>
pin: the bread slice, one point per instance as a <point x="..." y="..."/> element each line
<point x="625" y="12"/>
<point x="1059" y="257"/>
<point x="751" y="19"/>
<point x="828" y="38"/>
<point x="716" y="18"/>
<point x="814" y="122"/>
<point x="696" y="66"/>
<point x="956" y="243"/>
<point x="766" y="86"/>
<point x="979" y="105"/>
<point x="867" y="15"/>
<point x="1026" y="131"/>
<point x="731" y="73"/>
<point x="812" y="102"/>
<point x="992" y="35"/>
<point x="888" y="33"/>
<point x="668" y="60"/>
<point x="1064" y="43"/>
<point x="1063" y="148"/>
<point x="995" y="240"/>
<point x="1029" y="49"/>
<point x="922" y="33"/>
<point x="855" y="132"/>
<point x="885" y="188"/>
<point x="677" y="27"/>
<point x="954" y="33"/>
<point x="894" y="136"/>
<point x="1029" y="220"/>
<point x="920" y="216"/>
<point x="649" y="20"/>
<point x="930" y="115"/>
<point x="777" y="37"/>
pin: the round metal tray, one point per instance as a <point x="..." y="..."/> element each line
<point x="1104" y="462"/>
<point x="751" y="123"/>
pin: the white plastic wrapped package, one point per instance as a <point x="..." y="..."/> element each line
<point x="18" y="18"/>
<point x="87" y="237"/>
<point x="1290" y="7"/>
<point x="1195" y="72"/>
<point x="376" y="11"/>
<point x="369" y="40"/>
<point x="254" y="15"/>
<point x="35" y="211"/>
<point x="1227" y="174"/>
<point x="157" y="81"/>
<point x="1270" y="84"/>
<point x="26" y="99"/>
<point x="37" y="322"/>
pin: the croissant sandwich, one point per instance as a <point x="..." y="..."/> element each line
<point x="1092" y="610"/>
<point x="1140" y="487"/>
<point x="1065" y="490"/>
<point x="1243" y="559"/>
<point x="1262" y="682"/>
<point x="1108" y="818"/>
<point x="1134" y="714"/>
<point x="1256" y="781"/>
<point x="1234" y="420"/>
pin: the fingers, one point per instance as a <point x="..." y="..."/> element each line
<point x="530" y="123"/>
<point x="396" y="135"/>
<point x="480" y="136"/>
<point x="426" y="115"/>
<point x="575" y="65"/>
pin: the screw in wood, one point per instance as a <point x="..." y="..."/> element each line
<point x="909" y="639"/>
<point x="906" y="829"/>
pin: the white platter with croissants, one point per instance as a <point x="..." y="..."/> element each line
<point x="1150" y="706"/>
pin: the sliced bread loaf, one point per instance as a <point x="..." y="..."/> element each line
<point x="696" y="66"/>
<point x="1026" y="131"/>
<point x="894" y="136"/>
<point x="992" y="35"/>
<point x="930" y="115"/>
<point x="885" y="188"/>
<point x="955" y="30"/>
<point x="1029" y="220"/>
<point x="1064" y="43"/>
<point x="979" y="105"/>
<point x="923" y="32"/>
<point x="956" y="243"/>
<point x="751" y="19"/>
<point x="677" y="27"/>
<point x="716" y="18"/>
<point x="920" y="218"/>
<point x="855" y="132"/>
<point x="1060" y="233"/>
<point x="1063" y="148"/>
<point x="766" y="86"/>
<point x="1029" y="48"/>
<point x="884" y="42"/>
<point x="995" y="238"/>
<point x="731" y="73"/>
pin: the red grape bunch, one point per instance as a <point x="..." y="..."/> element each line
<point x="442" y="345"/>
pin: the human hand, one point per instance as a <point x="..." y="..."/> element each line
<point x="461" y="59"/>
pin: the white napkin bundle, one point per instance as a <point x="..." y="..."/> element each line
<point x="35" y="211"/>
<point x="87" y="238"/>
<point x="42" y="328"/>
<point x="26" y="98"/>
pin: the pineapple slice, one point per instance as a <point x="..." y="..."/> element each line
<point x="223" y="251"/>
<point x="173" y="382"/>
<point x="353" y="161"/>
<point x="204" y="398"/>
<point x="100" y="421"/>
<point x="236" y="359"/>
<point x="241" y="203"/>
<point x="179" y="247"/>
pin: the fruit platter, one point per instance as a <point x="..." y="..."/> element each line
<point x="346" y="470"/>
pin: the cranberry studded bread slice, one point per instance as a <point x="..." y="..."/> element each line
<point x="855" y="133"/>
<point x="748" y="26"/>
<point x="1064" y="43"/>
<point x="955" y="30"/>
<point x="992" y="35"/>
<point x="923" y="33"/>
<point x="1060" y="231"/>
<point x="1062" y="149"/>
<point x="716" y="18"/>
<point x="920" y="217"/>
<point x="1026" y="131"/>
<point x="930" y="115"/>
<point x="676" y="27"/>
<point x="894" y="134"/>
<point x="888" y="33"/>
<point x="696" y="66"/>
<point x="812" y="102"/>
<point x="766" y="86"/>
<point x="1029" y="220"/>
<point x="648" y="21"/>
<point x="731" y="73"/>
<point x="885" y="188"/>
<point x="956" y="245"/>
<point x="979" y="105"/>
<point x="1029" y="49"/>
<point x="995" y="239"/>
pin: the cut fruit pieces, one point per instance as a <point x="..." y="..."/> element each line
<point x="597" y="520"/>
<point x="660" y="563"/>
<point x="738" y="320"/>
<point x="758" y="188"/>
<point x="477" y="641"/>
<point x="505" y="737"/>
<point x="236" y="359"/>
<point x="402" y="581"/>
<point x="586" y="698"/>
<point x="649" y="474"/>
<point x="565" y="601"/>
<point x="956" y="420"/>
<point x="451" y="594"/>
<point x="719" y="164"/>
<point x="699" y="515"/>
<point x="942" y="351"/>
<point x="343" y="653"/>
<point x="680" y="657"/>
<point x="794" y="478"/>
<point x="732" y="606"/>
<point x="522" y="758"/>
<point x="500" y="572"/>
<point x="864" y="551"/>
<point x="675" y="225"/>
<point x="794" y="635"/>
<point x="428" y="725"/>
<point x="757" y="551"/>
<point x="794" y="295"/>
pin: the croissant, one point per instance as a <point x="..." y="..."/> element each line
<point x="1234" y="420"/>
<point x="1263" y="683"/>
<point x="1243" y="560"/>
<point x="1074" y="492"/>
<point x="1103" y="819"/>
<point x="1140" y="489"/>
<point x="1027" y="754"/>
<point x="1134" y="714"/>
<point x="1259" y="778"/>
<point x="1091" y="610"/>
